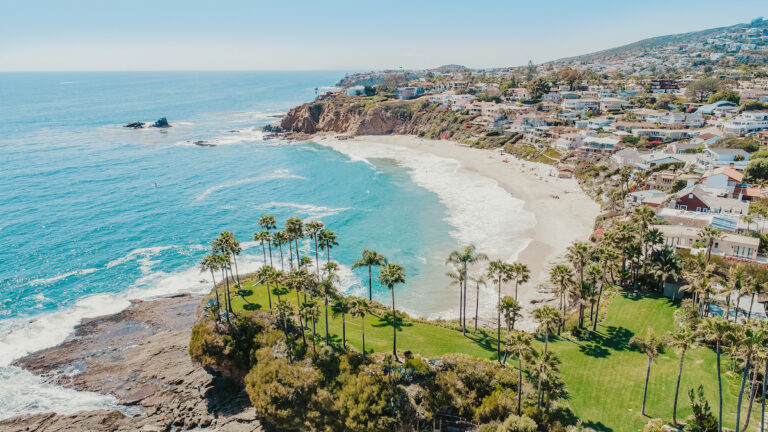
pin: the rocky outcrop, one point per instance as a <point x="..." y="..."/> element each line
<point x="140" y="356"/>
<point x="353" y="116"/>
<point x="161" y="123"/>
<point x="135" y="125"/>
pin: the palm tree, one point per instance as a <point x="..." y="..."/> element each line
<point x="748" y="219"/>
<point x="295" y="281"/>
<point x="462" y="259"/>
<point x="499" y="271"/>
<point x="652" y="346"/>
<point x="327" y="240"/>
<point x="314" y="228"/>
<point x="578" y="253"/>
<point x="266" y="273"/>
<point x="369" y="259"/>
<point x="227" y="242"/>
<point x="327" y="289"/>
<point x="457" y="278"/>
<point x="263" y="237"/>
<point x="294" y="227"/>
<point x="342" y="306"/>
<point x="667" y="264"/>
<point x="546" y="365"/>
<point x="510" y="309"/>
<point x="561" y="277"/>
<point x="311" y="312"/>
<point x="717" y="330"/>
<point x="212" y="263"/>
<point x="549" y="319"/>
<point x="389" y="276"/>
<point x="225" y="266"/>
<point x="750" y="339"/>
<point x="520" y="274"/>
<point x="683" y="339"/>
<point x="709" y="235"/>
<point x="360" y="308"/>
<point x="479" y="280"/>
<point x="268" y="223"/>
<point x="279" y="239"/>
<point x="520" y="344"/>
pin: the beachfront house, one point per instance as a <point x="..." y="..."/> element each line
<point x="597" y="146"/>
<point x="697" y="198"/>
<point x="736" y="158"/>
<point x="730" y="246"/>
<point x="747" y="122"/>
<point x="722" y="181"/>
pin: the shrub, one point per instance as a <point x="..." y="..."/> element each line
<point x="496" y="405"/>
<point x="702" y="419"/>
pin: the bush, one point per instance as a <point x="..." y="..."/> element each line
<point x="702" y="419"/>
<point x="756" y="170"/>
<point x="496" y="405"/>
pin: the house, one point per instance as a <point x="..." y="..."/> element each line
<point x="565" y="171"/>
<point x="722" y="181"/>
<point x="355" y="91"/>
<point x="645" y="197"/>
<point x="664" y="134"/>
<point x="657" y="158"/>
<point x="597" y="146"/>
<point x="682" y="147"/>
<point x="682" y="120"/>
<point x="629" y="156"/>
<point x="747" y="122"/>
<point x="593" y="123"/>
<point x="663" y="179"/>
<point x="409" y="92"/>
<point x="611" y="104"/>
<point x="697" y="198"/>
<point x="730" y="246"/>
<point x="724" y="157"/>
<point x="570" y="141"/>
<point x="710" y="108"/>
<point x="649" y="115"/>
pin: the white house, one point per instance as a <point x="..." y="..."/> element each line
<point x="682" y="119"/>
<point x="722" y="181"/>
<point x="737" y="158"/>
<point x="747" y="122"/>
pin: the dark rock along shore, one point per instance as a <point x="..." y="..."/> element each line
<point x="139" y="356"/>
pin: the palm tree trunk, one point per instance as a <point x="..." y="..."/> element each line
<point x="314" y="336"/>
<point x="226" y="298"/>
<point x="738" y="303"/>
<point x="645" y="389"/>
<point x="516" y="284"/>
<point x="269" y="294"/>
<point x="464" y="320"/>
<point x="363" y="327"/>
<point x="301" y="323"/>
<point x="741" y="392"/>
<point x="290" y="255"/>
<point x="461" y="302"/>
<point x="751" y="397"/>
<point x="317" y="257"/>
<point x="749" y="315"/>
<point x="597" y="315"/>
<point x="677" y="388"/>
<point x="237" y="272"/>
<point x="343" y="330"/>
<point x="370" y="283"/>
<point x="327" y="336"/>
<point x="498" y="325"/>
<point x="270" y="253"/>
<point x="216" y="290"/>
<point x="546" y="340"/>
<point x="477" y="304"/>
<point x="282" y="261"/>
<point x="298" y="257"/>
<point x="394" y="324"/>
<point x="264" y="251"/>
<point x="719" y="390"/>
<point x="762" y="400"/>
<point x="519" y="383"/>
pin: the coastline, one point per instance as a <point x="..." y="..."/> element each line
<point x="139" y="356"/>
<point x="551" y="232"/>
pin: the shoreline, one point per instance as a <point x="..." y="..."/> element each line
<point x="551" y="232"/>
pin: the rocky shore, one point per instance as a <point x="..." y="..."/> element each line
<point x="140" y="357"/>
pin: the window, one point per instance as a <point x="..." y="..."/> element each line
<point x="698" y="209"/>
<point x="717" y="245"/>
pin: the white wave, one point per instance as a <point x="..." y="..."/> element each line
<point x="25" y="393"/>
<point x="144" y="253"/>
<point x="50" y="280"/>
<point x="308" y="210"/>
<point x="481" y="211"/>
<point x="278" y="174"/>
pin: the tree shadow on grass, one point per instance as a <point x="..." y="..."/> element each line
<point x="617" y="338"/>
<point x="597" y="426"/>
<point x="484" y="341"/>
<point x="386" y="321"/>
<point x="594" y="350"/>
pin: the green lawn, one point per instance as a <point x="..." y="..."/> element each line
<point x="604" y="378"/>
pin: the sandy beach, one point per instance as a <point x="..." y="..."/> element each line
<point x="558" y="221"/>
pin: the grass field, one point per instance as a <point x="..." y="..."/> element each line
<point x="604" y="378"/>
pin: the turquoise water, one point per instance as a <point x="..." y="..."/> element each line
<point x="92" y="213"/>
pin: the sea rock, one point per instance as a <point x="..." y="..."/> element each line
<point x="135" y="125"/>
<point x="161" y="123"/>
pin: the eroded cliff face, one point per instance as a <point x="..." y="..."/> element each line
<point x="353" y="116"/>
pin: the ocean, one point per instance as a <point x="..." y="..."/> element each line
<point x="93" y="214"/>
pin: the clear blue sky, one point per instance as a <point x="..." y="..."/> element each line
<point x="328" y="34"/>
